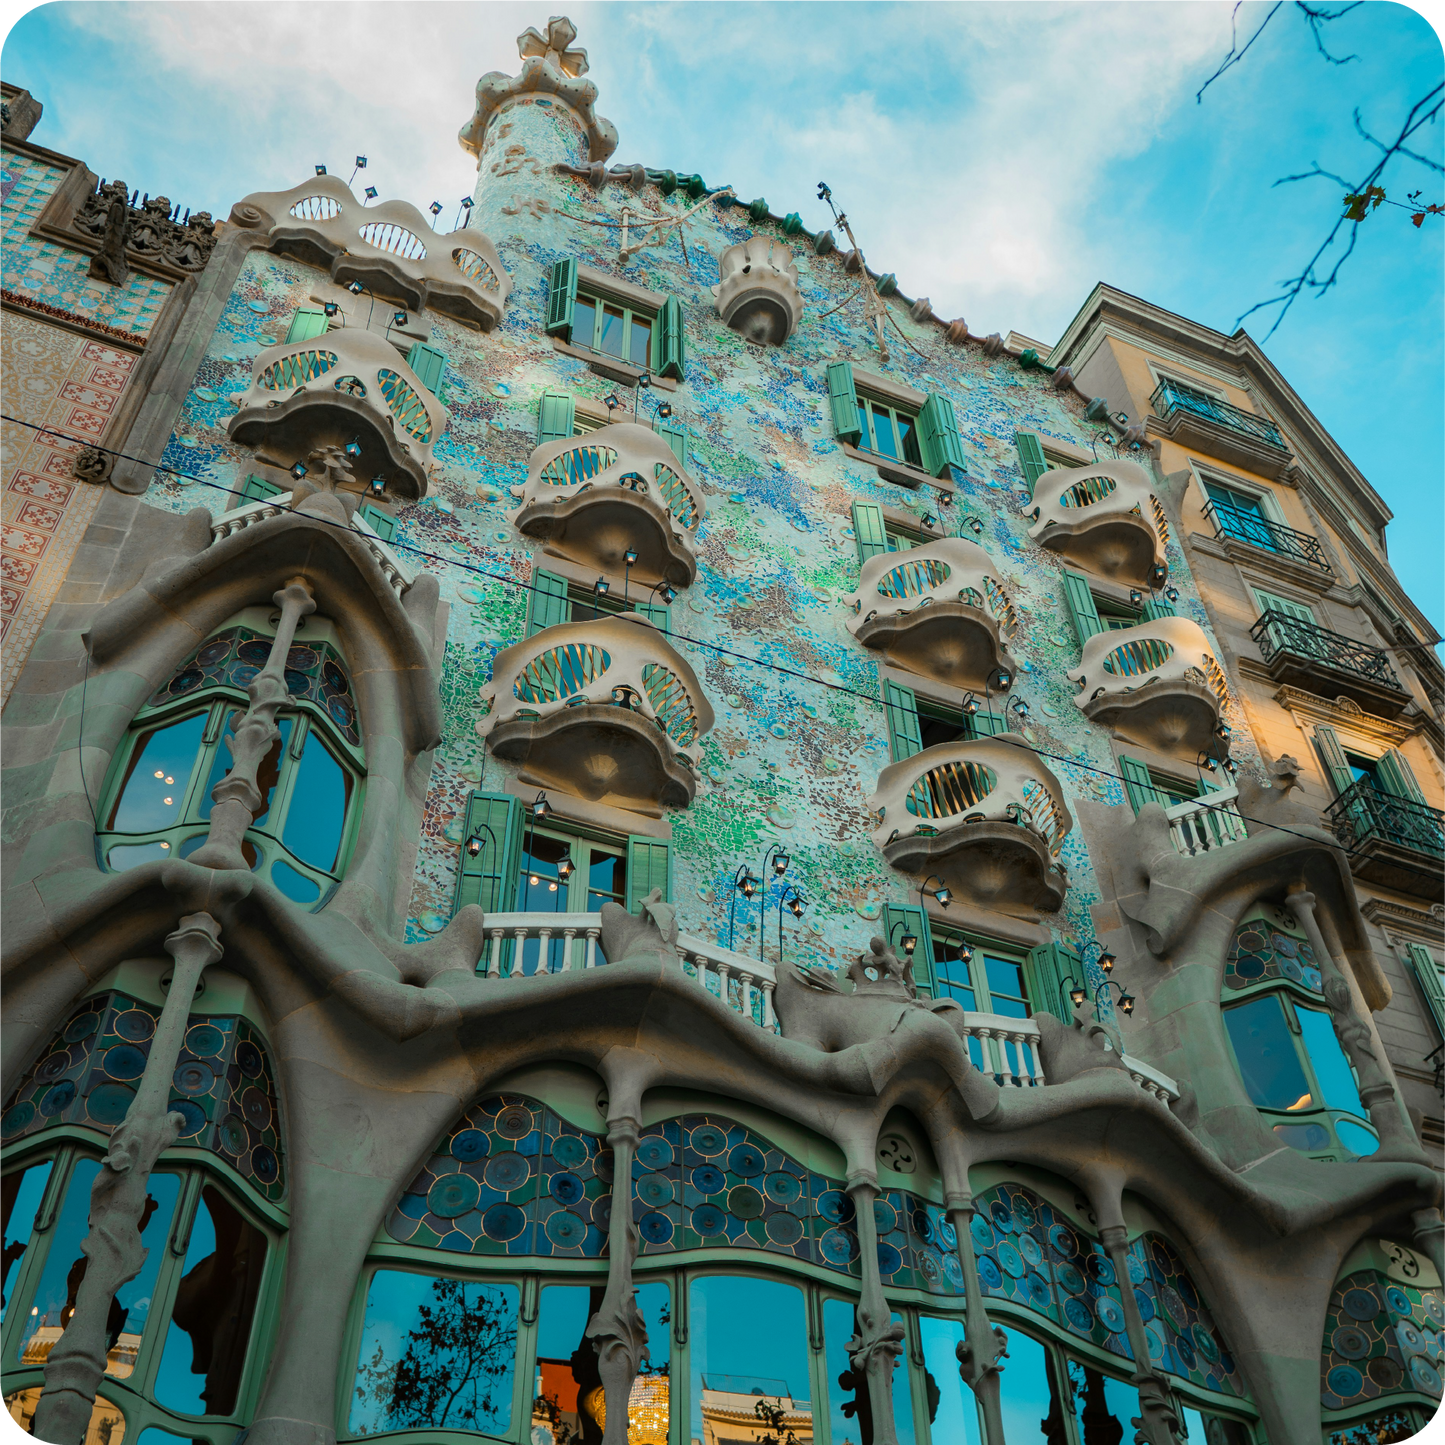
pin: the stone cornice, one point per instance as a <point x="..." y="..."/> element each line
<point x="1307" y="707"/>
<point x="1386" y="915"/>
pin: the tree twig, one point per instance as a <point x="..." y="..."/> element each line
<point x="1235" y="56"/>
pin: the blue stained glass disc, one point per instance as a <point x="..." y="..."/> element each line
<point x="264" y="1164"/>
<point x="1076" y="1312"/>
<point x="922" y="1225"/>
<point x="746" y="1161"/>
<point x="784" y="1229"/>
<point x="1110" y="1312"/>
<point x="982" y="1232"/>
<point x="205" y="1040"/>
<point x="988" y="1272"/>
<point x="125" y="1061"/>
<point x="835" y="1206"/>
<point x="953" y="1270"/>
<point x="1002" y="1216"/>
<point x="783" y="1188"/>
<point x="565" y="1189"/>
<point x="1062" y="1239"/>
<point x="1184" y="1346"/>
<point x="1029" y="1248"/>
<point x="1010" y="1259"/>
<point x="1146" y="1305"/>
<point x="569" y="1150"/>
<point x="506" y="1172"/>
<point x="1361" y="1304"/>
<point x="192" y="1113"/>
<point x="106" y="1104"/>
<point x="838" y="1246"/>
<point x="654" y="1152"/>
<point x="17" y="1119"/>
<point x="1345" y="1381"/>
<point x="654" y="1190"/>
<point x="504" y="1222"/>
<point x="655" y="1228"/>
<point x="708" y="1179"/>
<point x="1204" y="1342"/>
<point x="889" y="1260"/>
<point x="135" y="1025"/>
<point x="82" y="1027"/>
<point x="1398" y="1301"/>
<point x="708" y="1220"/>
<point x="471" y="1145"/>
<point x="60" y="1096"/>
<point x="453" y="1195"/>
<point x="1101" y="1269"/>
<point x="1425" y="1375"/>
<point x="708" y="1139"/>
<point x="1068" y="1275"/>
<point x="1037" y="1291"/>
<point x="566" y="1231"/>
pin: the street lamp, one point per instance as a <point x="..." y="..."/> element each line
<point x="795" y="904"/>
<point x="909" y="940"/>
<point x="943" y="894"/>
<point x="747" y="885"/>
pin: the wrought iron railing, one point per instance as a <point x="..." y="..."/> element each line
<point x="1170" y="397"/>
<point x="1258" y="531"/>
<point x="1277" y="632"/>
<point x="1363" y="814"/>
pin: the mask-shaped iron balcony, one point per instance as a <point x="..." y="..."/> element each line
<point x="619" y="488"/>
<point x="1156" y="684"/>
<point x="348" y="385"/>
<point x="603" y="709"/>
<point x="940" y="611"/>
<point x="389" y="248"/>
<point x="1106" y="518"/>
<point x="758" y="295"/>
<point x="987" y="816"/>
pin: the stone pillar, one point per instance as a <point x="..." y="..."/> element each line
<point x="617" y="1330"/>
<point x="1429" y="1237"/>
<point x="1159" y="1425"/>
<point x="875" y="1348"/>
<point x="1377" y="1089"/>
<point x="984" y="1344"/>
<point x="112" y="1249"/>
<point x="236" y="797"/>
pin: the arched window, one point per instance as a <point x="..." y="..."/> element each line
<point x="157" y="802"/>
<point x="1293" y="1067"/>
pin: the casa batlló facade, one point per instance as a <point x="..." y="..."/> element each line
<point x="616" y="833"/>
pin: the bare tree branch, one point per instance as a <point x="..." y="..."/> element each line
<point x="1233" y="58"/>
<point x="1317" y="15"/>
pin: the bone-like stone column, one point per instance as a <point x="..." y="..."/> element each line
<point x="1429" y="1237"/>
<point x="236" y="798"/>
<point x="874" y="1350"/>
<point x="617" y="1330"/>
<point x="112" y="1249"/>
<point x="985" y="1344"/>
<point x="1160" y="1424"/>
<point x="1377" y="1090"/>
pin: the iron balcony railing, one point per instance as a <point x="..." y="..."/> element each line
<point x="1363" y="814"/>
<point x="1171" y="397"/>
<point x="1271" y="536"/>
<point x="1276" y="632"/>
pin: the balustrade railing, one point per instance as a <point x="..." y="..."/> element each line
<point x="1277" y="632"/>
<point x="1362" y="814"/>
<point x="1201" y="825"/>
<point x="1170" y="397"/>
<point x="1259" y="531"/>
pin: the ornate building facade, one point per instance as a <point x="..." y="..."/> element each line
<point x="616" y="833"/>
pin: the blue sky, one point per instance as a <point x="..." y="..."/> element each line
<point x="1000" y="159"/>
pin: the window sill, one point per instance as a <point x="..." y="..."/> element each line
<point x="612" y="367"/>
<point x="900" y="472"/>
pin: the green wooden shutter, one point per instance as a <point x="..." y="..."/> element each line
<point x="649" y="866"/>
<point x="381" y="524"/>
<point x="561" y="297"/>
<point x="938" y="438"/>
<point x="671" y="341"/>
<point x="843" y="400"/>
<point x="655" y="613"/>
<point x="556" y="416"/>
<point x="1269" y="602"/>
<point x="549" y="601"/>
<point x="308" y="321"/>
<point x="869" y="529"/>
<point x="429" y="364"/>
<point x="1427" y="971"/>
<point x="986" y="723"/>
<point x="1400" y="777"/>
<point x="914" y="921"/>
<point x="490" y="879"/>
<point x="1080" y="602"/>
<point x="1031" y="458"/>
<point x="675" y="437"/>
<point x="1332" y="755"/>
<point x="1138" y="784"/>
<point x="1047" y="970"/>
<point x="901" y="705"/>
<point x="1157" y="607"/>
<point x="257" y="489"/>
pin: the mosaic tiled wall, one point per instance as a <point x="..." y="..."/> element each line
<point x="789" y="760"/>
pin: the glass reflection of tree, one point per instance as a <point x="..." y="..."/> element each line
<point x="460" y="1350"/>
<point x="772" y="1415"/>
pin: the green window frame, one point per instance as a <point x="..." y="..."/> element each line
<point x="258" y="489"/>
<point x="1269" y="602"/>
<point x="1430" y="975"/>
<point x="429" y="364"/>
<point x="189" y="732"/>
<point x="1032" y="461"/>
<point x="888" y="431"/>
<point x="996" y="979"/>
<point x="383" y="525"/>
<point x="1079" y="603"/>
<point x="308" y="322"/>
<point x="613" y="328"/>
<point x="1116" y="616"/>
<point x="1143" y="784"/>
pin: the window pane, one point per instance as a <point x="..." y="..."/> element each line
<point x="639" y="348"/>
<point x="935" y="730"/>
<point x="220" y="761"/>
<point x="542" y="890"/>
<point x="294" y="884"/>
<point x="269" y="773"/>
<point x="1268" y="1061"/>
<point x="584" y="322"/>
<point x="20" y="1194"/>
<point x="1102" y="1404"/>
<point x="1006" y="986"/>
<point x="953" y="1406"/>
<point x="567" y="1396"/>
<point x="865" y="438"/>
<point x="952" y="974"/>
<point x="1033" y="1413"/>
<point x="908" y="431"/>
<point x="106" y="1427"/>
<point x="849" y="1399"/>
<point x="1332" y="1069"/>
<point x="435" y="1354"/>
<point x="884" y="443"/>
<point x="316" y="814"/>
<point x="612" y="330"/>
<point x="606" y="879"/>
<point x="155" y="784"/>
<point x="205" y="1351"/>
<point x="54" y="1300"/>
<point x="749" y="1352"/>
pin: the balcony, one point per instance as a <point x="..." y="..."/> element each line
<point x="940" y="611"/>
<point x="1394" y="842"/>
<point x="758" y="294"/>
<point x="596" y="497"/>
<point x="390" y="249"/>
<point x="1305" y="655"/>
<point x="602" y="709"/>
<point x="1156" y="684"/>
<point x="1105" y="518"/>
<point x="346" y="386"/>
<point x="1198" y="420"/>
<point x="1233" y="525"/>
<point x="1204" y="825"/>
<point x="987" y="816"/>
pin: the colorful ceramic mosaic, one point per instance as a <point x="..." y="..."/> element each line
<point x="511" y="1178"/>
<point x="1260" y="953"/>
<point x="222" y="1086"/>
<point x="1382" y="1337"/>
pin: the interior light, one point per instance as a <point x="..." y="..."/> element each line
<point x="534" y="880"/>
<point x="167" y="801"/>
<point x="160" y="775"/>
<point x="551" y="888"/>
<point x="474" y="846"/>
<point x="165" y="847"/>
<point x="353" y="448"/>
<point x="169" y="781"/>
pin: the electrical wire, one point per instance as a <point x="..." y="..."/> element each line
<point x="698" y="642"/>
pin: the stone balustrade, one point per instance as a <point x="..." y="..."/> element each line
<point x="1200" y="825"/>
<point x="1105" y="517"/>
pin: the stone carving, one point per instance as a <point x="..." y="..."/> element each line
<point x="551" y="65"/>
<point x="91" y="464"/>
<point x="650" y="937"/>
<point x="758" y="294"/>
<point x="150" y="232"/>
<point x="107" y="216"/>
<point x="874" y="1349"/>
<point x="984" y="1344"/>
<point x="1077" y="1045"/>
<point x="1105" y="517"/>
